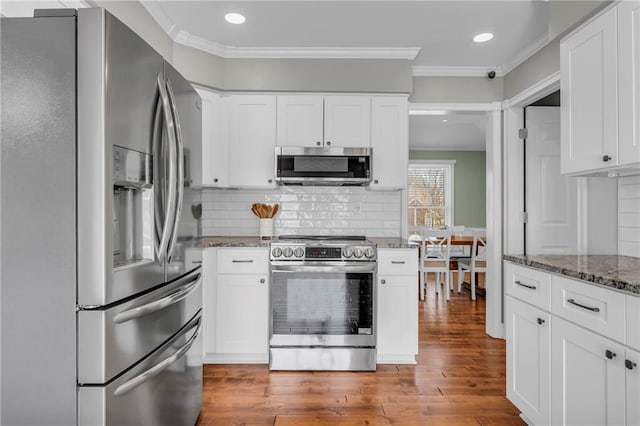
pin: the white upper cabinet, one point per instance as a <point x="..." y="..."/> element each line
<point x="600" y="96"/>
<point x="629" y="81"/>
<point x="215" y="139"/>
<point x="300" y="120"/>
<point x="389" y="142"/>
<point x="589" y="96"/>
<point x="324" y="121"/>
<point x="347" y="121"/>
<point x="252" y="140"/>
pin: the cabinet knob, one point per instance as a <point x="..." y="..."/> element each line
<point x="375" y="181"/>
<point x="328" y="143"/>
<point x="609" y="354"/>
<point x="215" y="180"/>
<point x="606" y="158"/>
<point x="261" y="280"/>
<point x="318" y="143"/>
<point x="383" y="281"/>
<point x="540" y="321"/>
<point x="270" y="180"/>
<point x="630" y="364"/>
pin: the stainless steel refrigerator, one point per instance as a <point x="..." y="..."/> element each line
<point x="100" y="319"/>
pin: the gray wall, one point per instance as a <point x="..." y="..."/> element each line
<point x="136" y="17"/>
<point x="456" y="90"/>
<point x="469" y="184"/>
<point x="199" y="66"/>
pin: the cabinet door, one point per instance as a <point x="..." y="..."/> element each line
<point x="589" y="104"/>
<point x="252" y="140"/>
<point x="529" y="360"/>
<point x="209" y="308"/>
<point x="632" y="365"/>
<point x="215" y="142"/>
<point x="587" y="377"/>
<point x="389" y="141"/>
<point x="629" y="81"/>
<point x="347" y="121"/>
<point x="397" y="319"/>
<point x="300" y="121"/>
<point x="242" y="320"/>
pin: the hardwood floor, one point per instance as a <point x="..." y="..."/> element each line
<point x="459" y="380"/>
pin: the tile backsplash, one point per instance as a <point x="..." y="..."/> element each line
<point x="629" y="216"/>
<point x="304" y="210"/>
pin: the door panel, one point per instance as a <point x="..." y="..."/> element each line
<point x="552" y="198"/>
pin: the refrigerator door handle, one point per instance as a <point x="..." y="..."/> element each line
<point x="168" y="207"/>
<point x="180" y="172"/>
<point x="159" y="304"/>
<point x="162" y="365"/>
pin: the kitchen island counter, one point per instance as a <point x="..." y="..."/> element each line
<point x="618" y="272"/>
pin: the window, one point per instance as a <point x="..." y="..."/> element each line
<point x="430" y="193"/>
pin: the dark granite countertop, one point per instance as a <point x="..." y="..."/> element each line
<point x="381" y="242"/>
<point x="618" y="272"/>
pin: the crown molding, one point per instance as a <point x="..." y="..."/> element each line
<point x="428" y="71"/>
<point x="525" y="54"/>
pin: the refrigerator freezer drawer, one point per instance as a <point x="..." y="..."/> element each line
<point x="111" y="340"/>
<point x="164" y="389"/>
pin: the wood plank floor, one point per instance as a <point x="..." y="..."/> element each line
<point x="459" y="380"/>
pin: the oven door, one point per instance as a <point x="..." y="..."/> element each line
<point x="322" y="305"/>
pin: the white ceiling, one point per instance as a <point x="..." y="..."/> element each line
<point x="440" y="31"/>
<point x="462" y="131"/>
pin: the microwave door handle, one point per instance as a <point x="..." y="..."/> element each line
<point x="180" y="172"/>
<point x="162" y="365"/>
<point x="169" y="202"/>
<point x="157" y="305"/>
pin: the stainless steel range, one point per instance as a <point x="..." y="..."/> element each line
<point x="323" y="302"/>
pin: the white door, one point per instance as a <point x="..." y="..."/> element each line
<point x="587" y="377"/>
<point x="551" y="197"/>
<point x="347" y="121"/>
<point x="389" y="142"/>
<point x="632" y="365"/>
<point x="397" y="318"/>
<point x="629" y="81"/>
<point x="529" y="360"/>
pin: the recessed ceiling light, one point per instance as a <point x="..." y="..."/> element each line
<point x="481" y="38"/>
<point x="445" y="120"/>
<point x="234" y="18"/>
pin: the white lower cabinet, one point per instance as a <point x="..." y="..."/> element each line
<point x="588" y="377"/>
<point x="569" y="361"/>
<point x="236" y="305"/>
<point x="529" y="360"/>
<point x="397" y="318"/>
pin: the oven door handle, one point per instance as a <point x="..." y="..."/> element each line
<point x="325" y="268"/>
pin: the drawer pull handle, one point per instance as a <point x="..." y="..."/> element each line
<point x="396" y="262"/>
<point x="242" y="261"/>
<point x="530" y="287"/>
<point x="630" y="364"/>
<point x="609" y="354"/>
<point x="540" y="321"/>
<point x="588" y="308"/>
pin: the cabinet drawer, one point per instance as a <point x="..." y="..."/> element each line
<point x="529" y="285"/>
<point x="633" y="322"/>
<point x="243" y="261"/>
<point x="398" y="261"/>
<point x="596" y="309"/>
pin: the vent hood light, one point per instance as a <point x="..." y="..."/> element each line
<point x="481" y="38"/>
<point x="234" y="18"/>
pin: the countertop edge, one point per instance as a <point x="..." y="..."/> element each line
<point x="590" y="277"/>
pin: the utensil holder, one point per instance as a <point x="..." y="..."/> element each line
<point x="266" y="229"/>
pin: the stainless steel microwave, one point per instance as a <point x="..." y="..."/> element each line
<point x="323" y="166"/>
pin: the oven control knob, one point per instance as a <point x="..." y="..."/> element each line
<point x="287" y="252"/>
<point x="358" y="253"/>
<point x="347" y="253"/>
<point x="369" y="253"/>
<point x="276" y="252"/>
<point x="299" y="252"/>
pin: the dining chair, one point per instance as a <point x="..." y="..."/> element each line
<point x="477" y="263"/>
<point x="434" y="257"/>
